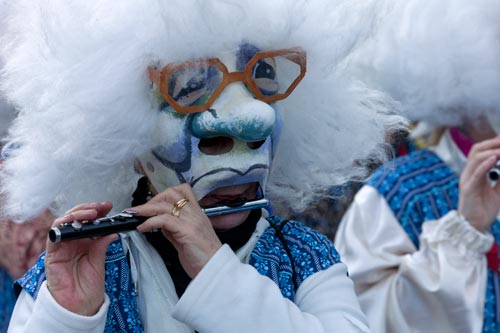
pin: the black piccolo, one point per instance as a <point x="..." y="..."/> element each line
<point x="126" y="221"/>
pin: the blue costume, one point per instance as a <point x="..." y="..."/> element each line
<point x="403" y="239"/>
<point x="421" y="187"/>
<point x="7" y="299"/>
<point x="284" y="240"/>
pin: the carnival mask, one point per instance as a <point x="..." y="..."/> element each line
<point x="218" y="127"/>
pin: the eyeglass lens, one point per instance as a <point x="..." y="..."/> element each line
<point x="194" y="85"/>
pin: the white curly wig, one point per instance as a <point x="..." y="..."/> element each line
<point x="77" y="72"/>
<point x="6" y="110"/>
<point x="439" y="59"/>
<point x="6" y="116"/>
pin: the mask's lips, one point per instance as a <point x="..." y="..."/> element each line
<point x="221" y="197"/>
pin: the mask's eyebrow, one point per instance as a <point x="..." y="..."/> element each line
<point x="245" y="52"/>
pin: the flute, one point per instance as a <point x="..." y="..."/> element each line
<point x="494" y="174"/>
<point x="126" y="221"/>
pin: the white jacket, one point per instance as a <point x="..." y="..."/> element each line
<point x="440" y="287"/>
<point x="226" y="296"/>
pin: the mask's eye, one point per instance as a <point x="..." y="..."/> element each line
<point x="264" y="70"/>
<point x="193" y="86"/>
<point x="275" y="76"/>
<point x="191" y="92"/>
<point x="264" y="75"/>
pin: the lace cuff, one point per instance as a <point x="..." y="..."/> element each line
<point x="455" y="229"/>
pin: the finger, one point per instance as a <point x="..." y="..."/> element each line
<point x="80" y="215"/>
<point x="487" y="153"/>
<point x="165" y="222"/>
<point x="478" y="177"/>
<point x="151" y="209"/>
<point x="473" y="162"/>
<point x="83" y="206"/>
<point x="485" y="145"/>
<point x="171" y="195"/>
<point x="187" y="192"/>
<point x="189" y="212"/>
<point x="160" y="209"/>
<point x="102" y="208"/>
<point x="95" y="211"/>
<point x="162" y="203"/>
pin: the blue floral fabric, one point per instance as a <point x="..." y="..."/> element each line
<point x="123" y="312"/>
<point x="309" y="250"/>
<point x="7" y="299"/>
<point x="420" y="187"/>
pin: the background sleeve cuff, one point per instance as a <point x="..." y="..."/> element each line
<point x="456" y="229"/>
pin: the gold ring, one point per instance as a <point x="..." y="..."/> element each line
<point x="176" y="210"/>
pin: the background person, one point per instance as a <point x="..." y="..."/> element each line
<point x="20" y="244"/>
<point x="420" y="238"/>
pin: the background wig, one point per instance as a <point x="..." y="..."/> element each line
<point x="440" y="59"/>
<point x="77" y="72"/>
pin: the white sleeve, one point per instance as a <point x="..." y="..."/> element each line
<point x="46" y="315"/>
<point x="229" y="296"/>
<point x="439" y="288"/>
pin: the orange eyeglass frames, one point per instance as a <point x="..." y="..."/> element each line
<point x="194" y="85"/>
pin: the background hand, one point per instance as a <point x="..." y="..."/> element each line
<point x="21" y="244"/>
<point x="479" y="203"/>
<point x="75" y="269"/>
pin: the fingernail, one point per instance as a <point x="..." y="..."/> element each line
<point x="129" y="211"/>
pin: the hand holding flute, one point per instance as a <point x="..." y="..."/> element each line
<point x="479" y="201"/>
<point x="75" y="270"/>
<point x="77" y="267"/>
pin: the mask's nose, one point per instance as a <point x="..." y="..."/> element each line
<point x="235" y="114"/>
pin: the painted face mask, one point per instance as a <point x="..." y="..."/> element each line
<point x="218" y="123"/>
